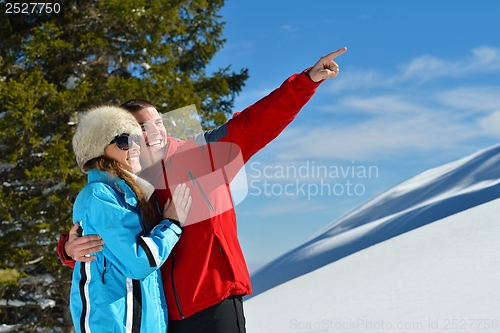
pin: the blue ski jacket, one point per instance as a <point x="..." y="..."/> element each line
<point x="121" y="290"/>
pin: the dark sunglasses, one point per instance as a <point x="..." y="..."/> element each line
<point x="124" y="141"/>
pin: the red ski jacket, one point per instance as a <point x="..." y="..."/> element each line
<point x="207" y="265"/>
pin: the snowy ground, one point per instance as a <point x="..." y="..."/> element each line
<point x="443" y="277"/>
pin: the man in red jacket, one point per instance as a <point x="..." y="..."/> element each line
<point x="206" y="274"/>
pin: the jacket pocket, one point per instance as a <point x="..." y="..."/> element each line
<point x="222" y="257"/>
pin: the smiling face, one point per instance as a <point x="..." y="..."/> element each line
<point x="129" y="159"/>
<point x="155" y="135"/>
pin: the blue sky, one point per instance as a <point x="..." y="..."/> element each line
<point x="418" y="87"/>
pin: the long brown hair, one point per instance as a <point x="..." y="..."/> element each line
<point x="151" y="216"/>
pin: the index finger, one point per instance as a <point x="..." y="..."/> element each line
<point x="87" y="239"/>
<point x="335" y="54"/>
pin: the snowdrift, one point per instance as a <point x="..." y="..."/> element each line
<point x="420" y="200"/>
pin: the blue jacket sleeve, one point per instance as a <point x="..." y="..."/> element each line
<point x="136" y="255"/>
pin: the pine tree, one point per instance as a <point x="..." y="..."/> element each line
<point x="54" y="65"/>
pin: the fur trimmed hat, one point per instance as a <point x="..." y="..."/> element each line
<point x="97" y="128"/>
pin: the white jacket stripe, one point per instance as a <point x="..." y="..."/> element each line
<point x="151" y="250"/>
<point x="84" y="282"/>
<point x="87" y="296"/>
<point x="130" y="306"/>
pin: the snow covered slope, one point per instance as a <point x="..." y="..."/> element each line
<point x="443" y="277"/>
<point x="425" y="198"/>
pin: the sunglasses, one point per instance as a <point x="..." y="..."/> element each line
<point x="124" y="141"/>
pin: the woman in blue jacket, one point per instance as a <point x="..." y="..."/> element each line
<point x="121" y="291"/>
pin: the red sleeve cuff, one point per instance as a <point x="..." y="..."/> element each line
<point x="63" y="257"/>
<point x="306" y="72"/>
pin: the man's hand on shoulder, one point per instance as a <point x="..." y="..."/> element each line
<point x="81" y="248"/>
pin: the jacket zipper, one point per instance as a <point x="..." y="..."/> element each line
<point x="176" y="296"/>
<point x="193" y="179"/>
<point x="104" y="271"/>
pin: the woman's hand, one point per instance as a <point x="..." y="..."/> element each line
<point x="178" y="208"/>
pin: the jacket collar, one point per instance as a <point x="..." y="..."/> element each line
<point x="116" y="183"/>
<point x="146" y="188"/>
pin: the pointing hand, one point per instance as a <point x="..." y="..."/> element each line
<point x="326" y="67"/>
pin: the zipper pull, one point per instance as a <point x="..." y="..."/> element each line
<point x="193" y="179"/>
<point x="191" y="176"/>
<point x="104" y="271"/>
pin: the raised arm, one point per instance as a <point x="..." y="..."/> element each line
<point x="253" y="128"/>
